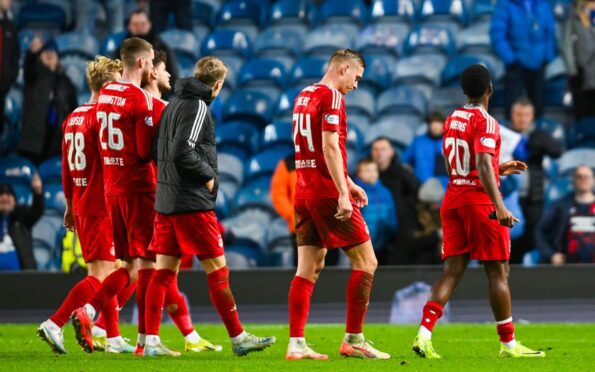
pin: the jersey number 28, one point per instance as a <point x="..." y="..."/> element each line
<point x="76" y="156"/>
<point x="115" y="137"/>
<point x="458" y="149"/>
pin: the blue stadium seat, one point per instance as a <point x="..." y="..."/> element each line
<point x="361" y="122"/>
<point x="383" y="38"/>
<point x="420" y="69"/>
<point x="41" y="16"/>
<point x="75" y="68"/>
<point x="50" y="170"/>
<point x="231" y="167"/>
<point x="253" y="107"/>
<point x="255" y="195"/>
<point x="323" y="41"/>
<point x="77" y="43"/>
<point x="495" y="64"/>
<point x="426" y="39"/>
<point x="481" y="10"/>
<point x="55" y="202"/>
<point x="204" y="12"/>
<point x="16" y="170"/>
<point x="47" y="235"/>
<point x="360" y="102"/>
<point x="555" y="75"/>
<point x="393" y="11"/>
<point x="229" y="187"/>
<point x="284" y="109"/>
<point x="83" y="97"/>
<point x="278" y="135"/>
<point x="265" y="75"/>
<point x="263" y="165"/>
<point x="399" y="134"/>
<point x="455" y="67"/>
<point x="25" y="37"/>
<point x="583" y="133"/>
<point x="184" y="44"/>
<point x="222" y="205"/>
<point x="573" y="158"/>
<point x="475" y="39"/>
<point x="404" y="100"/>
<point x="307" y="71"/>
<point x="223" y="42"/>
<point x="447" y="99"/>
<point x="241" y="257"/>
<point x="355" y="139"/>
<point x="238" y="138"/>
<point x="342" y="11"/>
<point x="283" y="45"/>
<point x="558" y="189"/>
<point x="111" y="43"/>
<point x="561" y="9"/>
<point x="554" y="129"/>
<point x="444" y="11"/>
<point x="378" y="74"/>
<point x="240" y="15"/>
<point x="288" y="12"/>
<point x="13" y="106"/>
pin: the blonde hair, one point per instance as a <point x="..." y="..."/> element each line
<point x="101" y="71"/>
<point x="342" y="55"/>
<point x="209" y="70"/>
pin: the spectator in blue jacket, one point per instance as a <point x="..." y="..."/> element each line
<point x="424" y="154"/>
<point x="523" y="36"/>
<point x="380" y="214"/>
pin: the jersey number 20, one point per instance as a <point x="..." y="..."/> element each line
<point x="115" y="137"/>
<point x="301" y="125"/>
<point x="458" y="148"/>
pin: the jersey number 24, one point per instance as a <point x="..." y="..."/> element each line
<point x="301" y="125"/>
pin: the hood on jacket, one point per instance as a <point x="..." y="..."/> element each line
<point x="191" y="88"/>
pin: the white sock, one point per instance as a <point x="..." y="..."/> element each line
<point x="153" y="340"/>
<point x="115" y="340"/>
<point x="296" y="342"/>
<point x="98" y="332"/>
<point x="193" y="337"/>
<point x="141" y="339"/>
<point x="354" y="337"/>
<point x="53" y="326"/>
<point x="510" y="344"/>
<point x="424" y="333"/>
<point x="90" y="310"/>
<point x="238" y="338"/>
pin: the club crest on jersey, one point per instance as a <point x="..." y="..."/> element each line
<point x="332" y="119"/>
<point x="488" y="142"/>
<point x="149" y="121"/>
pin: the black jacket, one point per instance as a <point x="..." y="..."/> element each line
<point x="540" y="144"/>
<point x="9" y="53"/>
<point x="22" y="220"/>
<point x="185" y="151"/>
<point x="42" y="89"/>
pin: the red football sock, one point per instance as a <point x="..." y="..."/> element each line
<point x="123" y="297"/>
<point x="144" y="277"/>
<point x="222" y="299"/>
<point x="431" y="313"/>
<point x="110" y="287"/>
<point x="77" y="297"/>
<point x="505" y="330"/>
<point x="358" y="297"/>
<point x="300" y="293"/>
<point x="111" y="317"/>
<point x="176" y="307"/>
<point x="160" y="282"/>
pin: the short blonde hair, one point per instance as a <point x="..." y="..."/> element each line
<point x="101" y="71"/>
<point x="342" y="55"/>
<point x="209" y="70"/>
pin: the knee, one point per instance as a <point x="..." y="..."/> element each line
<point x="311" y="273"/>
<point x="368" y="264"/>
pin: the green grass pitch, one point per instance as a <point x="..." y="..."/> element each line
<point x="467" y="347"/>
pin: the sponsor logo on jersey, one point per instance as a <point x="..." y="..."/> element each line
<point x="488" y="142"/>
<point x="149" y="121"/>
<point x="332" y="119"/>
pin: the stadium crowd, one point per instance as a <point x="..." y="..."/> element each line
<point x="541" y="54"/>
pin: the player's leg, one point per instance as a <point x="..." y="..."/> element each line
<point x="146" y="270"/>
<point x="99" y="329"/>
<point x="363" y="266"/>
<point x="224" y="302"/>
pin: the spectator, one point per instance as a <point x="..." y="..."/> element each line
<point x="161" y="9"/>
<point x="86" y="14"/>
<point x="10" y="52"/>
<point x="578" y="49"/>
<point x="523" y="36"/>
<point x="49" y="96"/>
<point x="379" y="214"/>
<point x="139" y="25"/>
<point x="283" y="194"/>
<point x="533" y="146"/>
<point x="402" y="184"/>
<point x="16" y="245"/>
<point x="425" y="152"/>
<point x="565" y="233"/>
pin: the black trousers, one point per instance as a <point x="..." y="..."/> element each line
<point x="532" y="210"/>
<point x="583" y="100"/>
<point x="519" y="82"/>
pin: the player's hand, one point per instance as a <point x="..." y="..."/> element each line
<point x="512" y="167"/>
<point x="36" y="184"/>
<point x="558" y="258"/>
<point x="69" y="220"/>
<point x="505" y="218"/>
<point x="359" y="195"/>
<point x="344" y="209"/>
<point x="211" y="185"/>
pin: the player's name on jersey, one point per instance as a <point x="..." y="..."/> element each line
<point x="458" y="125"/>
<point x="302" y="101"/>
<point x="80" y="181"/>
<point x="310" y="163"/>
<point x="111" y="100"/>
<point x="462" y="114"/>
<point x="111" y="160"/>
<point x="463" y="181"/>
<point x="76" y="120"/>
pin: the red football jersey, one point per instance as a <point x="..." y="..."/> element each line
<point x="469" y="130"/>
<point x="125" y="116"/>
<point x="317" y="108"/>
<point x="82" y="173"/>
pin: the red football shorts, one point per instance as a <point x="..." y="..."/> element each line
<point x="132" y="217"/>
<point x="316" y="225"/>
<point x="468" y="229"/>
<point x="188" y="234"/>
<point x="96" y="237"/>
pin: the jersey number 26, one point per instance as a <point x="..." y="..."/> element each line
<point x="115" y="137"/>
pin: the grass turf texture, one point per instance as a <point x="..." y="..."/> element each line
<point x="463" y="347"/>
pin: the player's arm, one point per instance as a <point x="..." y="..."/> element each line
<point x="144" y="128"/>
<point x="186" y="159"/>
<point x="334" y="163"/>
<point x="488" y="181"/>
<point x="67" y="183"/>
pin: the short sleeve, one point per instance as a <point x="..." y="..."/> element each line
<point x="330" y="109"/>
<point x="485" y="137"/>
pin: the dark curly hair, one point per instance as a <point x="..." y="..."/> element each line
<point x="475" y="80"/>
